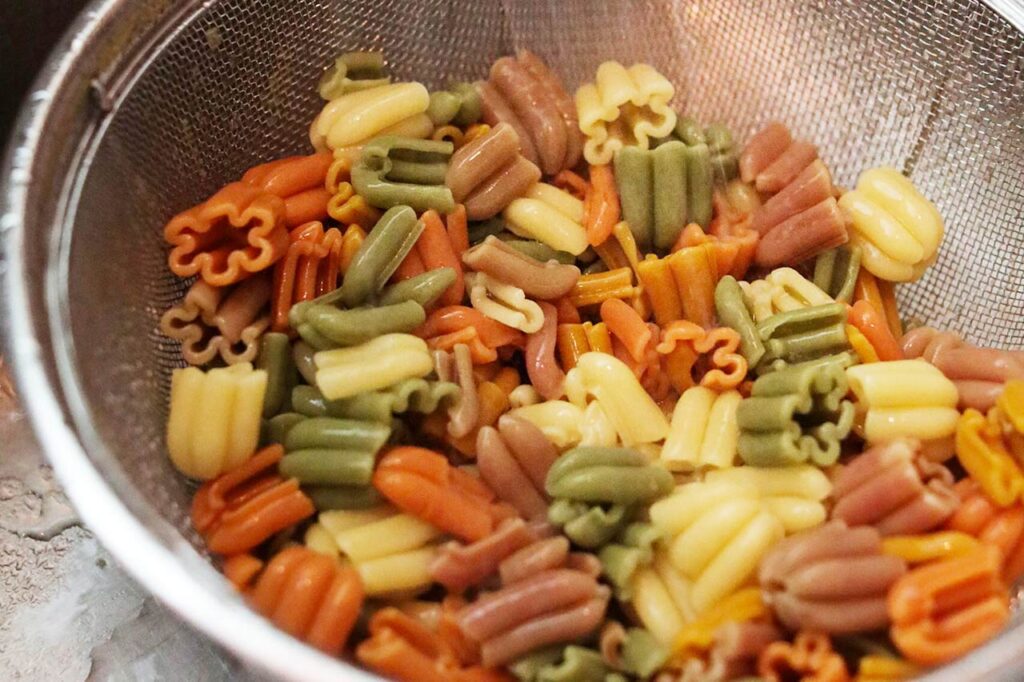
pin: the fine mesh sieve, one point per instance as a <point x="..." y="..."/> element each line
<point x="151" y="105"/>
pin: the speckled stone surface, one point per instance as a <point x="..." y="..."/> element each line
<point x="67" y="611"/>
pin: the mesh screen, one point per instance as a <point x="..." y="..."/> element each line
<point x="932" y="87"/>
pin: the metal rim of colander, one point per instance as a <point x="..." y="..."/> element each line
<point x="168" y="566"/>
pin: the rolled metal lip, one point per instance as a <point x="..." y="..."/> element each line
<point x="167" y="566"/>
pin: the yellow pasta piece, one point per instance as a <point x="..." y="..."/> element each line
<point x="598" y="287"/>
<point x="596" y="428"/>
<point x="661" y="599"/>
<point x="353" y="118"/>
<point x="903" y="398"/>
<point x="319" y="540"/>
<point x="504" y="302"/>
<point x="550" y="216"/>
<point x="897" y="229"/>
<point x="630" y="409"/>
<point x="794" y="494"/>
<point x="522" y="395"/>
<point x="697" y="637"/>
<point x="623" y="107"/>
<point x="860" y="345"/>
<point x="703" y="431"/>
<point x="376" y="364"/>
<point x="214" y="422"/>
<point x="391" y="551"/>
<point x="782" y="290"/>
<point x="559" y="420"/>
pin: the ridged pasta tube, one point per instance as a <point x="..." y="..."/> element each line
<point x="796" y="414"/>
<point x="897" y="229"/>
<point x="504" y="303"/>
<point x="355" y="326"/>
<point x="830" y="579"/>
<point x="549" y="215"/>
<point x="703" y="431"/>
<point x="214" y="422"/>
<point x="401" y="171"/>
<point x="803" y="334"/>
<point x="835" y="272"/>
<point x="489" y="172"/>
<point x="329" y="451"/>
<point x="352" y="71"/>
<point x="716" y="535"/>
<point x="384" y="249"/>
<point x="894" y="488"/>
<point x="623" y="107"/>
<point x="731" y="307"/>
<point x="664" y="189"/>
<point x="612" y="475"/>
<point x="903" y="399"/>
<point x="632" y="412"/>
<point x="376" y="364"/>
<point x="355" y="117"/>
<point x="514" y="460"/>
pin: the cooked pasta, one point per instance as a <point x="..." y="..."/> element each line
<point x="565" y="391"/>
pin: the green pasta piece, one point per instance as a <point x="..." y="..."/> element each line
<point x="309" y="402"/>
<point x="394" y="171"/>
<point x="460" y="105"/>
<point x="633" y="549"/>
<point x="480" y="231"/>
<point x="329" y="467"/>
<point x="275" y="429"/>
<point x="540" y="251"/>
<point x="699" y="185"/>
<point x="634" y="178"/>
<point x="803" y="334"/>
<point x="642" y="653"/>
<point x="732" y="312"/>
<point x="275" y="358"/>
<point x="353" y="71"/>
<point x="302" y="359"/>
<point x="796" y="414"/>
<point x="835" y="272"/>
<point x="424" y="289"/>
<point x="339" y="434"/>
<point x="384" y="249"/>
<point x="589" y="526"/>
<point x="326" y="498"/>
<point x="359" y="325"/>
<point x="577" y="665"/>
<point x="669" y="172"/>
<point x="607" y="474"/>
<point x="529" y="667"/>
<point x="724" y="155"/>
<point x="411" y="395"/>
<point x="689" y="131"/>
<point x="443" y="107"/>
<point x="312" y="336"/>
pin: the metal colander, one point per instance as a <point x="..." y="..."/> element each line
<point x="148" y="106"/>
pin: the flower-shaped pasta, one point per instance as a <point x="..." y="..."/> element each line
<point x="355" y="117"/>
<point x="796" y="414"/>
<point x="489" y="172"/>
<point x="299" y="181"/>
<point x="524" y="93"/>
<point x="242" y="507"/>
<point x="682" y="345"/>
<point x="310" y="597"/>
<point x="903" y="399"/>
<point x="212" y="321"/>
<point x="809" y="658"/>
<point x="214" y="422"/>
<point x="897" y="229"/>
<point x="704" y="431"/>
<point x="550" y="216"/>
<point x="894" y="488"/>
<point x="830" y="579"/>
<point x="623" y="107"/>
<point x="238" y="231"/>
<point x="979" y="373"/>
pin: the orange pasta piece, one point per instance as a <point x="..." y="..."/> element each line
<point x="946" y="608"/>
<point x="241" y="569"/>
<point x="809" y="658"/>
<point x="864" y="316"/>
<point x="238" y="231"/>
<point x="309" y="269"/>
<point x="475" y="131"/>
<point x="299" y="181"/>
<point x="695" y="271"/>
<point x="241" y="508"/>
<point x="480" y="353"/>
<point x="567" y="312"/>
<point x="436" y="251"/>
<point x="350" y="244"/>
<point x="410" y="266"/>
<point x="493" y="401"/>
<point x="422" y="483"/>
<point x="727" y="367"/>
<point x="660" y="287"/>
<point x="310" y="596"/>
<point x="492" y="333"/>
<point x="627" y="326"/>
<point x="571" y="182"/>
<point x="599" y="287"/>
<point x="601" y="205"/>
<point x="457" y="226"/>
<point x="348" y="208"/>
<point x="733" y="228"/>
<point x="576" y="339"/>
<point x="881" y="295"/>
<point x="980" y="517"/>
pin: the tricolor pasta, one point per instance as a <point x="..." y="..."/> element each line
<point x="521" y="386"/>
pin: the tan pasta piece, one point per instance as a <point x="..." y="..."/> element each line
<point x="544" y="281"/>
<point x="220" y="321"/>
<point x="894" y="488"/>
<point x="488" y="173"/>
<point x="772" y="159"/>
<point x="514" y="460"/>
<point x="830" y="579"/>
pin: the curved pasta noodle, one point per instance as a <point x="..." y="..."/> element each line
<point x="897" y="229"/>
<point x="403" y="171"/>
<point x="703" y="431"/>
<point x="903" y="398"/>
<point x="623" y="107"/>
<point x="661" y="599"/>
<point x="575" y="339"/>
<point x="772" y="159"/>
<point x="633" y="413"/>
<point x="682" y="343"/>
<point x="299" y="181"/>
<point x="214" y="420"/>
<point x="550" y="216"/>
<point x="219" y="321"/>
<point x="682" y="285"/>
<point x="803" y="335"/>
<point x="830" y="579"/>
<point x="504" y="303"/>
<point x="376" y="364"/>
<point x="238" y="231"/>
<point x="544" y="281"/>
<point x="352" y="71"/>
<point x="596" y="288"/>
<point x="487" y="173"/>
<point x="310" y="268"/>
<point x="978" y="516"/>
<point x="355" y="117"/>
<point x="606" y="475"/>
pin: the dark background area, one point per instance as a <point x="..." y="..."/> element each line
<point x="28" y="31"/>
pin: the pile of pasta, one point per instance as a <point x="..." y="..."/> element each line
<point x="501" y="384"/>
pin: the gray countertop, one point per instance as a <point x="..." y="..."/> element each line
<point x="67" y="611"/>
